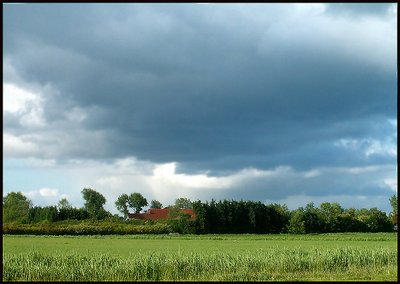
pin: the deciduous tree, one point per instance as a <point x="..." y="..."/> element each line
<point x="155" y="204"/>
<point x="136" y="201"/>
<point x="393" y="214"/>
<point x="16" y="207"/>
<point x="94" y="202"/>
<point x="122" y="204"/>
<point x="296" y="222"/>
<point x="64" y="204"/>
<point x="182" y="203"/>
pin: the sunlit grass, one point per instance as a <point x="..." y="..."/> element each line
<point x="203" y="258"/>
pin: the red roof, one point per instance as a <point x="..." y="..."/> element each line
<point x="157" y="214"/>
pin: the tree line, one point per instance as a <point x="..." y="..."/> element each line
<point x="255" y="217"/>
<point x="17" y="208"/>
<point x="224" y="216"/>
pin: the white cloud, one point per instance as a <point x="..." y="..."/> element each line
<point x="377" y="147"/>
<point x="44" y="196"/>
<point x="15" y="99"/>
<point x="166" y="184"/>
<point x="312" y="173"/>
<point x="52" y="144"/>
<point x="386" y="146"/>
<point x="45" y="192"/>
<point x="391" y="183"/>
<point x="371" y="40"/>
<point x="18" y="146"/>
<point x="165" y="173"/>
<point x="24" y="103"/>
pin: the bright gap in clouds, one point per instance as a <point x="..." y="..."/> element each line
<point x="15" y="99"/>
<point x="161" y="182"/>
<point x="24" y="103"/>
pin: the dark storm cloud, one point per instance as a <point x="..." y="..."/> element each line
<point x="218" y="87"/>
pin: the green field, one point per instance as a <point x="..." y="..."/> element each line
<point x="347" y="256"/>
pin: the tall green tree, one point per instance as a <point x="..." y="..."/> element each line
<point x="94" y="202"/>
<point x="136" y="201"/>
<point x="39" y="214"/>
<point x="183" y="203"/>
<point x="155" y="204"/>
<point x="378" y="221"/>
<point x="330" y="213"/>
<point x="122" y="204"/>
<point x="201" y="217"/>
<point x="313" y="221"/>
<point x="296" y="223"/>
<point x="393" y="214"/>
<point x="348" y="222"/>
<point x="72" y="214"/>
<point x="16" y="207"/>
<point x="64" y="204"/>
<point x="279" y="220"/>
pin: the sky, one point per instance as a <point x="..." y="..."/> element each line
<point x="281" y="103"/>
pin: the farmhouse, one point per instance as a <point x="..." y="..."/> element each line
<point x="157" y="214"/>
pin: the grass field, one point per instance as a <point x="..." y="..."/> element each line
<point x="358" y="256"/>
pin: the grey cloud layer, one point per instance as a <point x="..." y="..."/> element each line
<point x="218" y="87"/>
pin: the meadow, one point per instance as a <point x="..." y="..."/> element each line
<point x="247" y="257"/>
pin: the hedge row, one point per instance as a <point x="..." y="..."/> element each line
<point x="85" y="229"/>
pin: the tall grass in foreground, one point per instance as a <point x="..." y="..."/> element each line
<point x="273" y="264"/>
